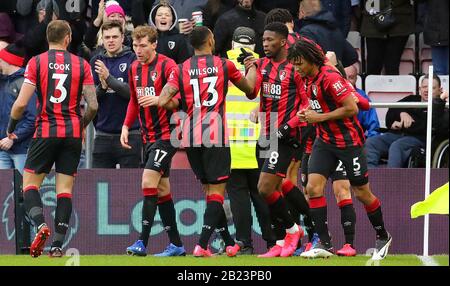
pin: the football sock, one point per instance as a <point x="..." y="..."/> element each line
<point x="222" y="229"/>
<point x="33" y="205"/>
<point x="62" y="218"/>
<point x="307" y="222"/>
<point x="293" y="229"/>
<point x="210" y="218"/>
<point x="148" y="213"/>
<point x="376" y="218"/>
<point x="318" y="211"/>
<point x="167" y="214"/>
<point x="278" y="206"/>
<point x="295" y="197"/>
<point x="348" y="220"/>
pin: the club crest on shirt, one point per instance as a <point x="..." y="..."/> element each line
<point x="283" y="75"/>
<point x="314" y="89"/>
<point x="154" y="75"/>
<point x="122" y="67"/>
<point x="171" y="44"/>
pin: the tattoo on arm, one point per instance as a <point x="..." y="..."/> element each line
<point x="167" y="94"/>
<point x="91" y="100"/>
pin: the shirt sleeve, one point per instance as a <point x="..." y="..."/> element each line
<point x="88" y="79"/>
<point x="233" y="73"/>
<point x="173" y="77"/>
<point x="338" y="87"/>
<point x="133" y="107"/>
<point x="172" y="67"/>
<point x="30" y="72"/>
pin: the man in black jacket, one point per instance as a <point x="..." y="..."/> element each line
<point x="320" y="26"/>
<point x="407" y="129"/>
<point x="242" y="15"/>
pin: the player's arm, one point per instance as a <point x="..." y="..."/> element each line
<point x="19" y="106"/>
<point x="361" y="101"/>
<point x="246" y="84"/>
<point x="170" y="89"/>
<point x="91" y="100"/>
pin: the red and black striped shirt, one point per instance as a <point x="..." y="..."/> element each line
<point x="203" y="85"/>
<point x="149" y="80"/>
<point x="282" y="94"/>
<point x="326" y="92"/>
<point x="59" y="77"/>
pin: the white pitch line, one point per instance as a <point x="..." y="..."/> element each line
<point x="428" y="260"/>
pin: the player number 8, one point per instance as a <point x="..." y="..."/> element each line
<point x="274" y="157"/>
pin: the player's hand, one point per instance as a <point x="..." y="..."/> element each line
<point x="124" y="138"/>
<point x="101" y="70"/>
<point x="355" y="98"/>
<point x="396" y="125"/>
<point x="254" y="115"/>
<point x="243" y="55"/>
<point x="146" y="101"/>
<point x="6" y="143"/>
<point x="301" y="113"/>
<point x="312" y="117"/>
<point x="444" y="95"/>
<point x="406" y="120"/>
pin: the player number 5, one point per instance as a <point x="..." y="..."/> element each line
<point x="61" y="78"/>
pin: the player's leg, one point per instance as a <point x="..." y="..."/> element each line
<point x="341" y="190"/>
<point x="273" y="171"/>
<point x="355" y="163"/>
<point x="321" y="163"/>
<point x="307" y="222"/>
<point x="167" y="213"/>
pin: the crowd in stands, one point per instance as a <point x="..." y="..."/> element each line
<point x="23" y="26"/>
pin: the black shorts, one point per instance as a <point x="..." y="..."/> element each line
<point x="158" y="157"/>
<point x="325" y="157"/>
<point x="211" y="165"/>
<point x="338" y="174"/>
<point x="63" y="152"/>
<point x="275" y="161"/>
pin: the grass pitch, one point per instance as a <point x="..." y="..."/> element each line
<point x="249" y="260"/>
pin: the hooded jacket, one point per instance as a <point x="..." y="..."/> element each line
<point x="113" y="103"/>
<point x="324" y="30"/>
<point x="9" y="90"/>
<point x="171" y="43"/>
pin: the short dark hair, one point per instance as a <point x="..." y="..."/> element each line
<point x="279" y="15"/>
<point x="307" y="50"/>
<point x="108" y="25"/>
<point x="435" y="77"/>
<point x="57" y="30"/>
<point x="198" y="36"/>
<point x="278" y="28"/>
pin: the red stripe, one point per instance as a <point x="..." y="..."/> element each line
<point x="316" y="203"/>
<point x="281" y="175"/>
<point x="74" y="95"/>
<point x="344" y="203"/>
<point x="30" y="188"/>
<point x="222" y="178"/>
<point x="164" y="199"/>
<point x="273" y="198"/>
<point x="215" y="198"/>
<point x="29" y="170"/>
<point x="287" y="186"/>
<point x="370" y="208"/>
<point x="57" y="107"/>
<point x="43" y="67"/>
<point x="64" y="195"/>
<point x="150" y="192"/>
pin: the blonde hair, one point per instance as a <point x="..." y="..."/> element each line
<point x="57" y="30"/>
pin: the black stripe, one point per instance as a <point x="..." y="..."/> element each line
<point x="80" y="87"/>
<point x="277" y="81"/>
<point x="65" y="105"/>
<point x="358" y="129"/>
<point x="194" y="66"/>
<point x="222" y="105"/>
<point x="141" y="110"/>
<point x="168" y="113"/>
<point x="183" y="106"/>
<point x="39" y="96"/>
<point x="154" y="109"/>
<point x="290" y="105"/>
<point x="50" y="92"/>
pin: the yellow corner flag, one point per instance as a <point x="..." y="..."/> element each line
<point x="436" y="203"/>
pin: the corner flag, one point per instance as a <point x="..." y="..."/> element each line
<point x="436" y="203"/>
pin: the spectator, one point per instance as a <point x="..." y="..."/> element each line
<point x="125" y="4"/>
<point x="385" y="48"/>
<point x="243" y="14"/>
<point x="213" y="10"/>
<point x="110" y="70"/>
<point x="320" y="26"/>
<point x="185" y="8"/>
<point x="111" y="11"/>
<point x="170" y="42"/>
<point x="242" y="186"/>
<point x="7" y="31"/>
<point x="13" y="152"/>
<point x="367" y="118"/>
<point x="436" y="34"/>
<point x="342" y="12"/>
<point x="406" y="129"/>
<point x="268" y="5"/>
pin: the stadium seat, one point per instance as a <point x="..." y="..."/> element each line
<point x="407" y="61"/>
<point x="425" y="55"/>
<point x="354" y="38"/>
<point x="389" y="88"/>
<point x="444" y="81"/>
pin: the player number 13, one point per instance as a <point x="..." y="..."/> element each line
<point x="211" y="81"/>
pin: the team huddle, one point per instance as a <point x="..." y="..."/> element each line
<point x="307" y="113"/>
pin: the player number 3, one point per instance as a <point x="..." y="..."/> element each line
<point x="60" y="79"/>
